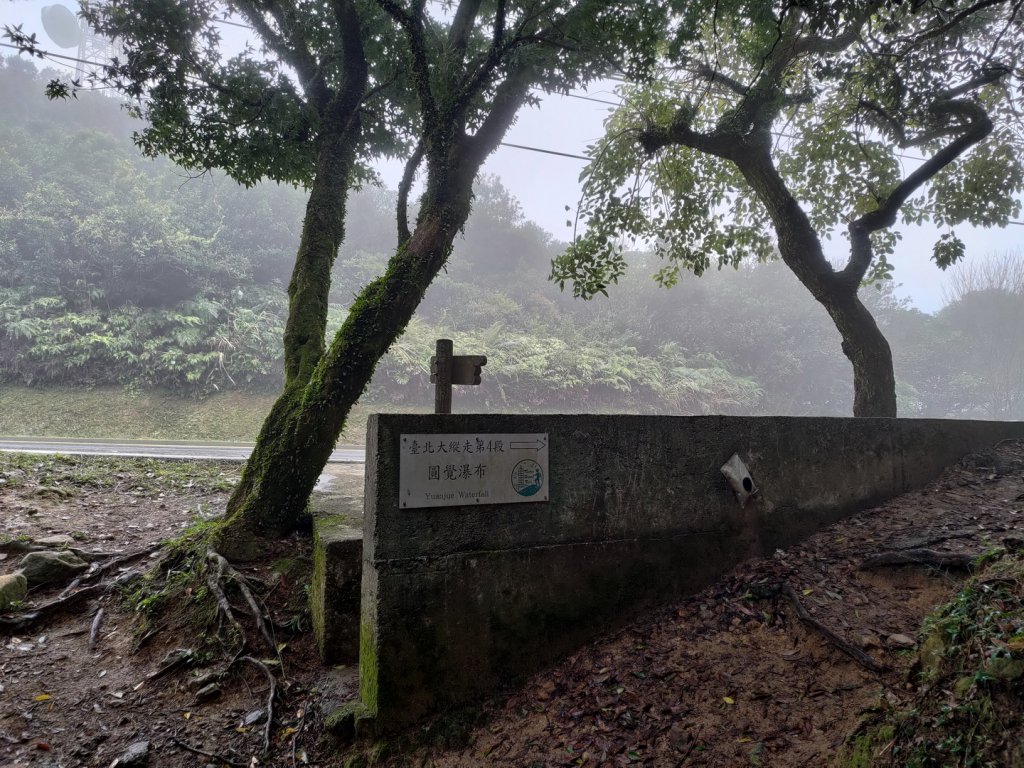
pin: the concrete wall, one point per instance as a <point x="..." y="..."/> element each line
<point x="458" y="600"/>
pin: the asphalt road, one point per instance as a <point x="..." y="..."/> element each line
<point x="157" y="449"/>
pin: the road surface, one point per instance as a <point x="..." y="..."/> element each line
<point x="156" y="449"/>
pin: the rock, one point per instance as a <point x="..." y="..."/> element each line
<point x="254" y="717"/>
<point x="136" y="754"/>
<point x="50" y="567"/>
<point x="208" y="692"/>
<point x="869" y="640"/>
<point x="13" y="589"/>
<point x="58" y="541"/>
<point x="902" y="641"/>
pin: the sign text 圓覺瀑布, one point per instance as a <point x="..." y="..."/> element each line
<point x="451" y="470"/>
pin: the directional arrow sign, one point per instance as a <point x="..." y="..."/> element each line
<point x="532" y="445"/>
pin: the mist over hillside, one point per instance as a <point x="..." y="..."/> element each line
<point x="120" y="270"/>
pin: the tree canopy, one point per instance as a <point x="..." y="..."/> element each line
<point x="332" y="85"/>
<point x="805" y="121"/>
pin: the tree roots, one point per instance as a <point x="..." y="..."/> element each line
<point x="921" y="557"/>
<point x="785" y="590"/>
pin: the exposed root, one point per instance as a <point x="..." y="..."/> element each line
<point x="75" y="592"/>
<point x="17" y="547"/>
<point x="298" y="728"/>
<point x="225" y="572"/>
<point x="219" y="759"/>
<point x="921" y="557"/>
<point x="787" y="591"/>
<point x="121" y="560"/>
<point x="30" y="618"/>
<point x="95" y="630"/>
<point x="271" y="695"/>
<point x="919" y="542"/>
<point x="172" y="661"/>
<point x="214" y="577"/>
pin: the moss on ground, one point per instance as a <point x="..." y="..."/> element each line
<point x="66" y="476"/>
<point x="970" y="673"/>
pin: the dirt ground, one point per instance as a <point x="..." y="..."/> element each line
<point x="727" y="677"/>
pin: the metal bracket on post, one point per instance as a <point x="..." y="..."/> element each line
<point x="447" y="369"/>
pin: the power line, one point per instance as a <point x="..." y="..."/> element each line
<point x="545" y="151"/>
<point x="50" y="55"/>
<point x="504" y="143"/>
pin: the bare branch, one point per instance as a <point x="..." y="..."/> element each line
<point x="952" y="22"/>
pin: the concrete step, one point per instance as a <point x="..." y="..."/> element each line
<point x="334" y="593"/>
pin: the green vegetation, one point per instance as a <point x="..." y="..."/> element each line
<point x="145" y="477"/>
<point x="971" y="677"/>
<point x="107" y="412"/>
<point x="744" y="341"/>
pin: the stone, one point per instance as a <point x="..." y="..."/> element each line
<point x="869" y="640"/>
<point x="13" y="589"/>
<point x="51" y="567"/>
<point x="136" y="754"/>
<point x="208" y="692"/>
<point x="902" y="641"/>
<point x="57" y="541"/>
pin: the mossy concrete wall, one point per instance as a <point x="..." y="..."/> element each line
<point x="458" y="600"/>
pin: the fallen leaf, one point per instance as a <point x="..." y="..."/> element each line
<point x="43" y="697"/>
<point x="186" y="715"/>
<point x="807" y="591"/>
<point x="728" y="699"/>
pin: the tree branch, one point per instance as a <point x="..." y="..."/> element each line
<point x="679" y="132"/>
<point x="462" y="27"/>
<point x="290" y="44"/>
<point x="402" y="207"/>
<point x="712" y="75"/>
<point x="885" y="215"/>
<point x="356" y="69"/>
<point x="412" y="22"/>
<point x="952" y="22"/>
<point x="506" y="103"/>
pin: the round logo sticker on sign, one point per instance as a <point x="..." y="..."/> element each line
<point x="527" y="477"/>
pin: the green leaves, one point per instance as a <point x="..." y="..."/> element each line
<point x="948" y="250"/>
<point x="845" y="108"/>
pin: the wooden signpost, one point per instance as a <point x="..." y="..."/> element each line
<point x="447" y="369"/>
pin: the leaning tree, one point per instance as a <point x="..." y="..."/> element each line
<point x="805" y="120"/>
<point x="331" y="85"/>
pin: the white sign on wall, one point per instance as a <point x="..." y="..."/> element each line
<point x="450" y="470"/>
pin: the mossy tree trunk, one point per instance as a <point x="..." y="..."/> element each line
<point x="270" y="488"/>
<point x="466" y="103"/>
<point x="300" y="433"/>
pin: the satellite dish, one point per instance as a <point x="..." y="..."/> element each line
<point x="61" y="25"/>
